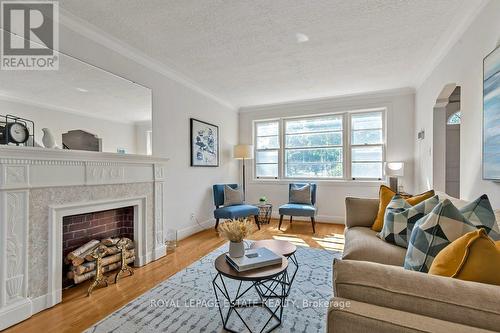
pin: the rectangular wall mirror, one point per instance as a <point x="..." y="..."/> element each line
<point x="83" y="106"/>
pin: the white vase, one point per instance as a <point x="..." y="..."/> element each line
<point x="236" y="250"/>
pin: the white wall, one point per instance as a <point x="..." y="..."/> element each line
<point x="331" y="194"/>
<point x="462" y="65"/>
<point x="113" y="134"/>
<point x="188" y="189"/>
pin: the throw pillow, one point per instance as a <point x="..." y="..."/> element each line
<point x="481" y="214"/>
<point x="434" y="232"/>
<point x="300" y="194"/>
<point x="400" y="217"/>
<point x="385" y="197"/>
<point x="232" y="196"/>
<point x="472" y="257"/>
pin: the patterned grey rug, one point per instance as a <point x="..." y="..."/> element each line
<point x="186" y="302"/>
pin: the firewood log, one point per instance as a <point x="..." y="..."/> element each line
<point x="114" y="249"/>
<point x="77" y="254"/>
<point x="88" y="255"/>
<point x="114" y="241"/>
<point x="85" y="276"/>
<point x="89" y="266"/>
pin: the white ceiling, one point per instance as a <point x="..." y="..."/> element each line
<point x="78" y="88"/>
<point x="246" y="52"/>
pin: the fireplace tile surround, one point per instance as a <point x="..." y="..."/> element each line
<point x="38" y="187"/>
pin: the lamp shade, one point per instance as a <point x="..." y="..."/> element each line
<point x="243" y="151"/>
<point x="395" y="169"/>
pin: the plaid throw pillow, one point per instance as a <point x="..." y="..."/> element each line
<point x="400" y="217"/>
<point x="481" y="214"/>
<point x="434" y="232"/>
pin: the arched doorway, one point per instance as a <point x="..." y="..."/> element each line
<point x="446" y="141"/>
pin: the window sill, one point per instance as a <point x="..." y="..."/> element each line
<point x="322" y="182"/>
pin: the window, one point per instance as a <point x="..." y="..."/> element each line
<point x="348" y="145"/>
<point x="367" y="145"/>
<point x="267" y="148"/>
<point x="313" y="147"/>
<point x="455" y="119"/>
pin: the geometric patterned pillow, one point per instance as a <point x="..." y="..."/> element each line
<point x="434" y="232"/>
<point x="400" y="217"/>
<point x="480" y="213"/>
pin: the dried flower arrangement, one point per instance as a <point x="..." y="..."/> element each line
<point x="235" y="230"/>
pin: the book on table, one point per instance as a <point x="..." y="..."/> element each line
<point x="254" y="258"/>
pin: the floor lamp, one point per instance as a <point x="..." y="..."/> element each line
<point x="243" y="152"/>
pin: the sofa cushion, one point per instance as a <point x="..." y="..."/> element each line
<point x="385" y="197"/>
<point x="400" y="217"/>
<point x="469" y="303"/>
<point x="481" y="214"/>
<point x="433" y="233"/>
<point x="472" y="257"/>
<point x="363" y="244"/>
<point x="297" y="210"/>
<point x="234" y="212"/>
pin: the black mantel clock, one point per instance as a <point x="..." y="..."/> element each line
<point x="16" y="130"/>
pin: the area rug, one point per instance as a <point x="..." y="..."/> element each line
<point x="186" y="302"/>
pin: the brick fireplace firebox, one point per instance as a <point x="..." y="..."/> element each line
<point x="82" y="228"/>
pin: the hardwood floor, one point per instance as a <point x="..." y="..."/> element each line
<point x="78" y="312"/>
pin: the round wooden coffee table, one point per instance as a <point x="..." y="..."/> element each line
<point x="285" y="249"/>
<point x="260" y="278"/>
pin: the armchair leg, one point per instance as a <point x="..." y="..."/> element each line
<point x="291" y="217"/>
<point x="281" y="221"/>
<point x="216" y="223"/>
<point x="313" y="224"/>
<point x="256" y="217"/>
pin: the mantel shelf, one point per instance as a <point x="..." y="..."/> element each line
<point x="36" y="153"/>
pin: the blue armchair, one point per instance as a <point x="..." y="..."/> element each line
<point x="296" y="209"/>
<point x="231" y="212"/>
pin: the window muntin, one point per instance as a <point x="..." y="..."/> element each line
<point x="267" y="147"/>
<point x="367" y="145"/>
<point x="313" y="147"/>
<point x="348" y="145"/>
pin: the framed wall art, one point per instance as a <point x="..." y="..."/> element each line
<point x="204" y="144"/>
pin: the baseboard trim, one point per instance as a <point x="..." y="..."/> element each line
<point x="188" y="231"/>
<point x="15" y="313"/>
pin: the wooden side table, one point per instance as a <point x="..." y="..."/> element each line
<point x="265" y="210"/>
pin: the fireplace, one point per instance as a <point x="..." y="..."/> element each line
<point x="81" y="229"/>
<point x="40" y="189"/>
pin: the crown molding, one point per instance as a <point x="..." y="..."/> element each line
<point x="330" y="99"/>
<point x="447" y="41"/>
<point x="101" y="37"/>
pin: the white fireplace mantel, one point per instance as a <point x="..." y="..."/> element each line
<point x="26" y="174"/>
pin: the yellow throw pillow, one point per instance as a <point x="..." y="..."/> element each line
<point x="385" y="197"/>
<point x="472" y="257"/>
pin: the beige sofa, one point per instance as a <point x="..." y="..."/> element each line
<point x="374" y="293"/>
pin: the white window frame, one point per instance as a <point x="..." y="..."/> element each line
<point x="279" y="149"/>
<point x="346" y="146"/>
<point x="351" y="145"/>
<point x="284" y="149"/>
